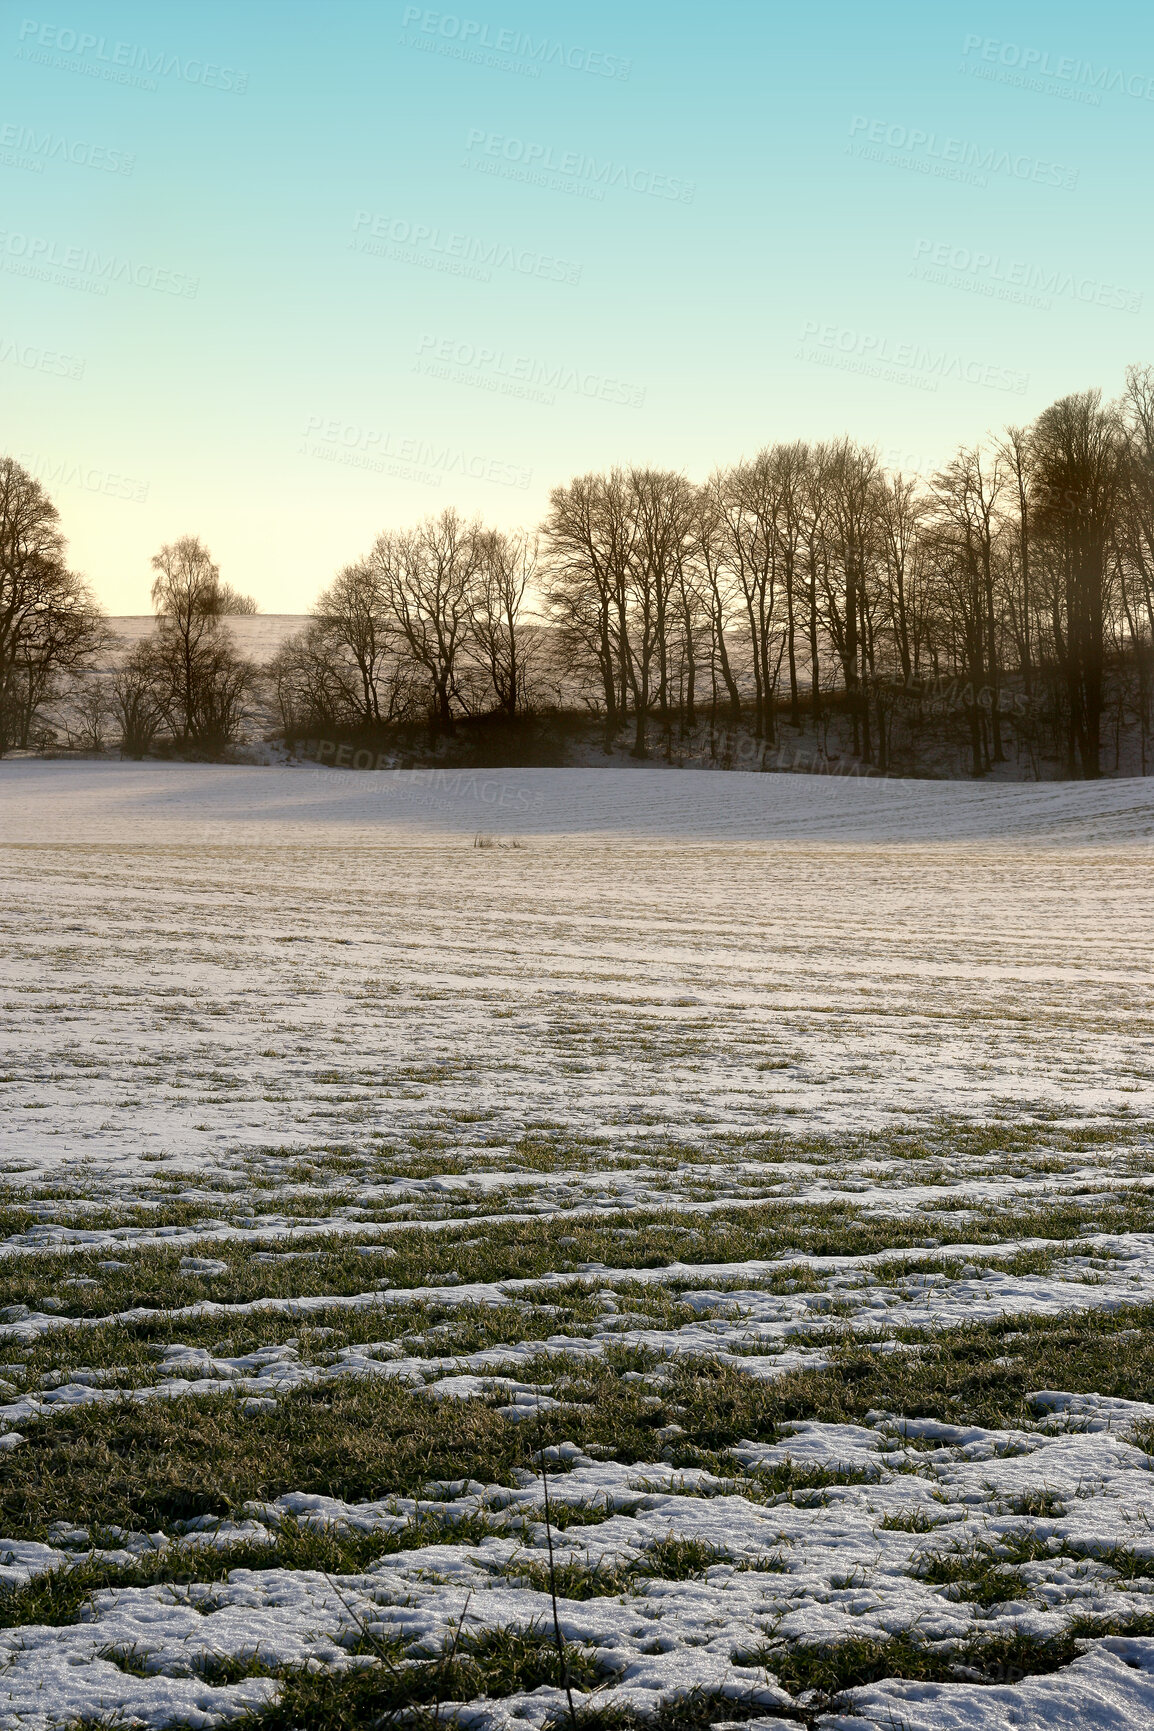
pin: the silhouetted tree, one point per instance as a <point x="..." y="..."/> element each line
<point x="50" y="625"/>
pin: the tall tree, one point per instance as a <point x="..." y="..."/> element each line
<point x="352" y="623"/>
<point x="659" y="508"/>
<point x="499" y="640"/>
<point x="851" y="477"/>
<point x="588" y="535"/>
<point x="202" y="685"/>
<point x="748" y="496"/>
<point x="50" y="626"/>
<point x="1136" y="539"/>
<point x="428" y="580"/>
<point x="1015" y="451"/>
<point x="1078" y="446"/>
<point x="966" y="498"/>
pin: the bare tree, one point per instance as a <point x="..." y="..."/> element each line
<point x="1016" y="453"/>
<point x="318" y="684"/>
<point x="352" y="623"/>
<point x="966" y="499"/>
<point x="691" y="613"/>
<point x="815" y="562"/>
<point x="184" y="594"/>
<point x="50" y="626"/>
<point x="428" y="582"/>
<point x="203" y="686"/>
<point x="499" y="642"/>
<point x="230" y="603"/>
<point x="749" y="500"/>
<point x="1136" y="539"/>
<point x="659" y="506"/>
<point x="716" y="589"/>
<point x="136" y="701"/>
<point x="850" y="477"/>
<point x="900" y="519"/>
<point x="588" y="536"/>
<point x="90" y="709"/>
<point x="1079" y="448"/>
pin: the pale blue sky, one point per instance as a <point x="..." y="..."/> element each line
<point x="433" y="258"/>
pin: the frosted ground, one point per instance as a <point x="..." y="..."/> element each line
<point x="772" y="1152"/>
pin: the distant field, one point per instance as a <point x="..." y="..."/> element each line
<point x="774" y="1153"/>
<point x="258" y="635"/>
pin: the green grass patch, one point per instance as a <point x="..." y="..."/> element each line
<point x="60" y="1595"/>
<point x="144" y="1465"/>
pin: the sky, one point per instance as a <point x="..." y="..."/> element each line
<point x="283" y="274"/>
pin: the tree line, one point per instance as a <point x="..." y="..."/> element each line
<point x="799" y="583"/>
<point x="803" y="586"/>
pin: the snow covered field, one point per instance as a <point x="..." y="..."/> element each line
<point x="774" y="1151"/>
<point x="257" y="635"/>
<point x="194" y="805"/>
